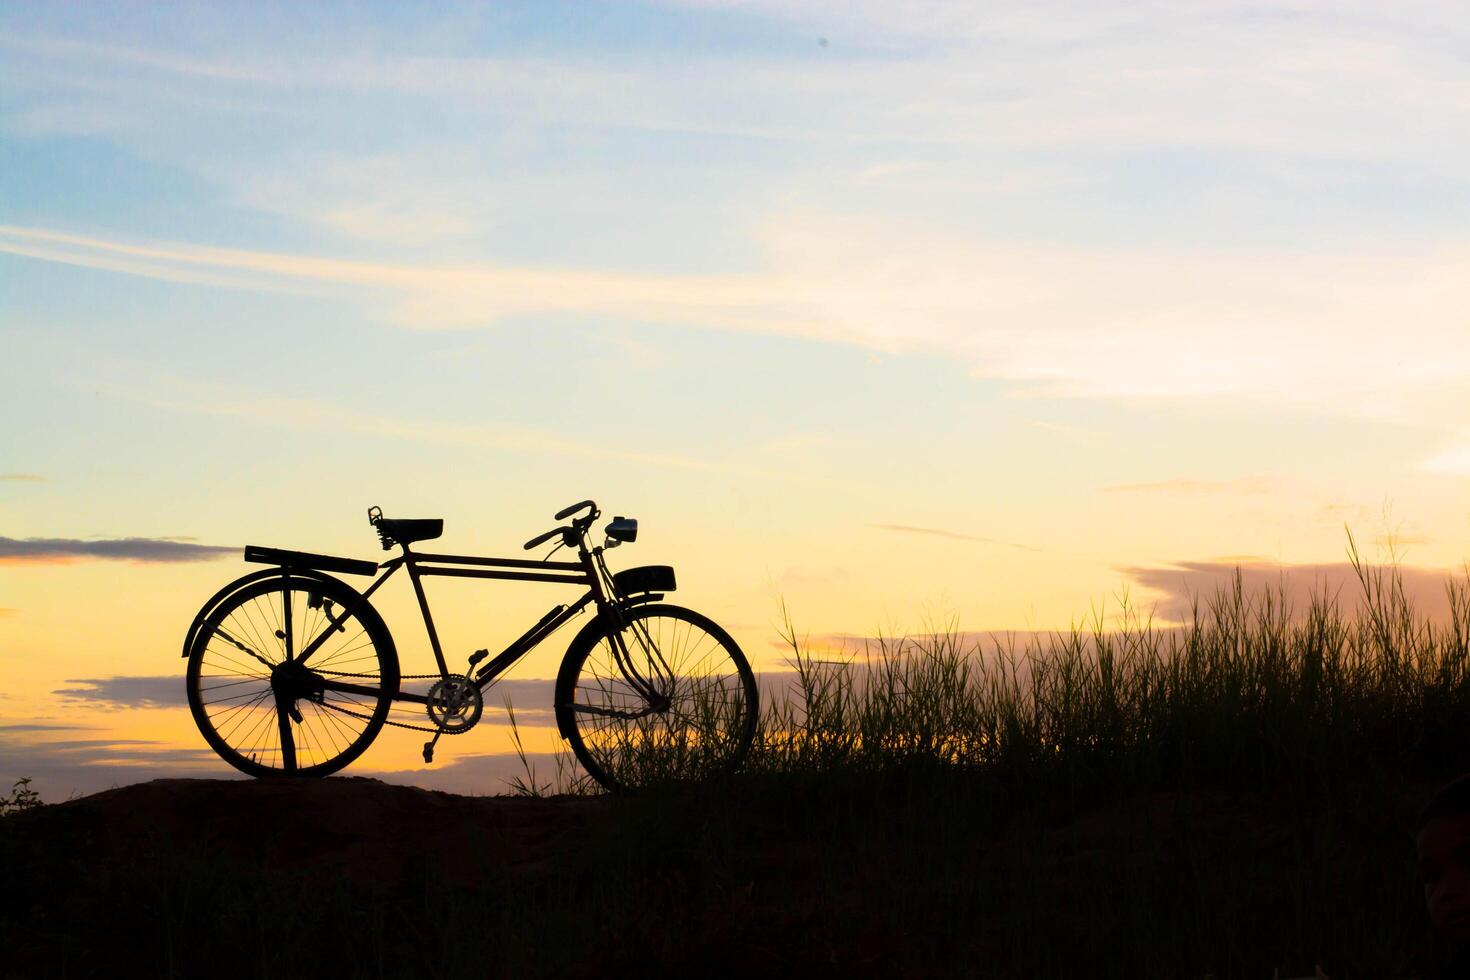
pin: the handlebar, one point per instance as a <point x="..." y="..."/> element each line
<point x="572" y="534"/>
<point x="543" y="538"/>
<point x="566" y="512"/>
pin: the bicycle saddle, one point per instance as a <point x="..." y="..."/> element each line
<point x="407" y="530"/>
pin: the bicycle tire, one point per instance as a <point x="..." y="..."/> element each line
<point x="704" y="733"/>
<point x="245" y="708"/>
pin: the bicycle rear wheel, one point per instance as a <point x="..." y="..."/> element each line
<point x="264" y="714"/>
<point x="669" y="697"/>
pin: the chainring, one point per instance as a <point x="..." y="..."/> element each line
<point x="455" y="704"/>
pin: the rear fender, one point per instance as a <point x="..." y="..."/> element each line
<point x="240" y="583"/>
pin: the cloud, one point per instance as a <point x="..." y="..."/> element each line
<point x="128" y="692"/>
<point x="6" y="611"/>
<point x="62" y="551"/>
<point x="435" y="296"/>
<point x="400" y="199"/>
<point x="23" y="478"/>
<point x="1180" y="583"/>
<point x="30" y="727"/>
<point x="1248" y="486"/>
<point x="88" y="761"/>
<point x="304" y="414"/>
<point x="1068" y="74"/>
<point x="530" y="697"/>
<point x="1129" y="325"/>
<point x="1061" y="428"/>
<point x="954" y="536"/>
<point x="1452" y="460"/>
<point x="1393" y="541"/>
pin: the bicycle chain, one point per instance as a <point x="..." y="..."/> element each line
<point x="432" y="729"/>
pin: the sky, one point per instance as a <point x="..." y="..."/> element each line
<point x="895" y="313"/>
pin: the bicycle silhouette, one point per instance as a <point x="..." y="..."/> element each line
<point x="293" y="672"/>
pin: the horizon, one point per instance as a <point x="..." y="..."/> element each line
<point x="892" y="314"/>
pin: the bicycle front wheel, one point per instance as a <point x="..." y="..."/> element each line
<point x="266" y="714"/>
<point x="668" y="697"/>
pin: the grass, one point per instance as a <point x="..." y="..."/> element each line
<point x="1229" y="796"/>
<point x="1248" y="689"/>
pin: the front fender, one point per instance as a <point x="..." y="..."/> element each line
<point x="239" y="584"/>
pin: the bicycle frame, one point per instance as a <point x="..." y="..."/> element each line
<point x="589" y="571"/>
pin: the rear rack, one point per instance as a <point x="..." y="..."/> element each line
<point x="304" y="559"/>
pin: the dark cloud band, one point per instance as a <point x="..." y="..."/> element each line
<point x="1187" y="583"/>
<point x="55" y="550"/>
<point x="127" y="692"/>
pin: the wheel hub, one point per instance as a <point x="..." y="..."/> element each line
<point x="295" y="680"/>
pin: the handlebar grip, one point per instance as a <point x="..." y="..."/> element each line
<point x="543" y="538"/>
<point x="568" y="511"/>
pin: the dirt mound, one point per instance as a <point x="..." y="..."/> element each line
<point x="904" y="875"/>
<point x="361" y="829"/>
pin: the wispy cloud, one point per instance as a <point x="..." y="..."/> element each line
<point x="1391" y="542"/>
<point x="314" y="416"/>
<point x="1452" y="460"/>
<point x="1062" y="428"/>
<point x="23" y="478"/>
<point x="1129" y="326"/>
<point x="62" y="551"/>
<point x="435" y="296"/>
<point x="1245" y="486"/>
<point x="955" y="536"/>
<point x="1052" y="74"/>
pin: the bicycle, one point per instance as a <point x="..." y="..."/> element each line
<point x="293" y="672"/>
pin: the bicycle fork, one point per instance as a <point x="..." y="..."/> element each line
<point x="657" y="700"/>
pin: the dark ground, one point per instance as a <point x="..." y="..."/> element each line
<point x="917" y="874"/>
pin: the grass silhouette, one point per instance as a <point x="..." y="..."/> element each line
<point x="1247" y="689"/>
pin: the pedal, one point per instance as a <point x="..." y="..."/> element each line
<point x="429" y="747"/>
<point x="477" y="656"/>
